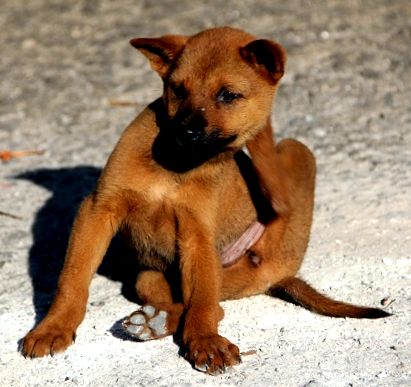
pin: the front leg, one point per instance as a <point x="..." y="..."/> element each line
<point x="92" y="232"/>
<point x="201" y="284"/>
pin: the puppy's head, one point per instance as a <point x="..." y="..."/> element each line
<point x="218" y="86"/>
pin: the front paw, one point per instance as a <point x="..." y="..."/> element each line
<point x="47" y="340"/>
<point x="212" y="354"/>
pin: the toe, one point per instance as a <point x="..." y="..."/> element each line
<point x="213" y="354"/>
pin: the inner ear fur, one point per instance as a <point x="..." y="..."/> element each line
<point x="161" y="52"/>
<point x="267" y="57"/>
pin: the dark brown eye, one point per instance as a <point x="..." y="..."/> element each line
<point x="179" y="91"/>
<point x="226" y="96"/>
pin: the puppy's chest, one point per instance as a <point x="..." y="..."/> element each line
<point x="152" y="218"/>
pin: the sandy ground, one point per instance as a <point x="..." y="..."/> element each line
<point x="346" y="94"/>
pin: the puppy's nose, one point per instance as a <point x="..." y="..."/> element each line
<point x="190" y="127"/>
<point x="188" y="134"/>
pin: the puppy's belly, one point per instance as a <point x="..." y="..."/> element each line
<point x="153" y="234"/>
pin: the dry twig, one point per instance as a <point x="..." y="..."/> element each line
<point x="8" y="214"/>
<point x="249" y="353"/>
<point x="122" y="103"/>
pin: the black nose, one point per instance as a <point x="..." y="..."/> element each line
<point x="186" y="135"/>
<point x="189" y="127"/>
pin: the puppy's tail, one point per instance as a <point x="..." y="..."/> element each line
<point x="299" y="292"/>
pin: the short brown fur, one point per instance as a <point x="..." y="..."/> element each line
<point x="219" y="87"/>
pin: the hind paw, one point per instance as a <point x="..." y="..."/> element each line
<point x="147" y="323"/>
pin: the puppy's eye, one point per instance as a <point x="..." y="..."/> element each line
<point x="226" y="96"/>
<point x="179" y="91"/>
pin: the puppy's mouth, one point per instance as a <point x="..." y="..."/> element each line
<point x="177" y="154"/>
<point x="180" y="148"/>
<point x="189" y="137"/>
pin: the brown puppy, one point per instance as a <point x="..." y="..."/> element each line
<point x="178" y="185"/>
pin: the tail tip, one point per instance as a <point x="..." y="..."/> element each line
<point x="374" y="313"/>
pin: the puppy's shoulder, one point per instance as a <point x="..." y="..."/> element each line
<point x="140" y="133"/>
<point x="132" y="155"/>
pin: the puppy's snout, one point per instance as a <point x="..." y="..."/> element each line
<point x="190" y="128"/>
<point x="192" y="134"/>
<point x="187" y="134"/>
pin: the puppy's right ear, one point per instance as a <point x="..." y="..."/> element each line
<point x="266" y="57"/>
<point x="161" y="52"/>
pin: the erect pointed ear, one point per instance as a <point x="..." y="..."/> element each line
<point x="266" y="57"/>
<point x="161" y="52"/>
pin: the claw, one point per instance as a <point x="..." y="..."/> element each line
<point x="202" y="368"/>
<point x="212" y="355"/>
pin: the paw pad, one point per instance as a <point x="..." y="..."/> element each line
<point x="147" y="323"/>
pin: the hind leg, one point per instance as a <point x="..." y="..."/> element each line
<point x="287" y="173"/>
<point x="160" y="315"/>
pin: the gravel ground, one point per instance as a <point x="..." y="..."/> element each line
<point x="346" y="94"/>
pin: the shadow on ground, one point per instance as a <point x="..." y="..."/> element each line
<point x="51" y="230"/>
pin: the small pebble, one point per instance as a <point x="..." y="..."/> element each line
<point x="387" y="301"/>
<point x="325" y="35"/>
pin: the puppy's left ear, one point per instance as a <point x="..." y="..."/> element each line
<point x="267" y="57"/>
<point x="161" y="52"/>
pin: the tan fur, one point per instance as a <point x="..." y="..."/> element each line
<point x="190" y="216"/>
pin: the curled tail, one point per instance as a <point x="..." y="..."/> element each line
<point x="299" y="292"/>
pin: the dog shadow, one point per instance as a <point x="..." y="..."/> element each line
<point x="51" y="230"/>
